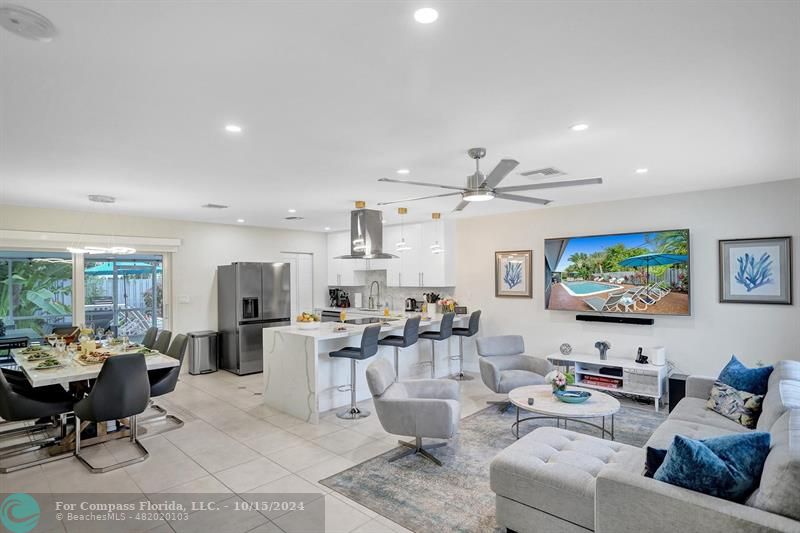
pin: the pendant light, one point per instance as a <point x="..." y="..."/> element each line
<point x="436" y="248"/>
<point x="112" y="248"/>
<point x="402" y="245"/>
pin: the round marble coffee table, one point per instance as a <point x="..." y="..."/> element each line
<point x="547" y="406"/>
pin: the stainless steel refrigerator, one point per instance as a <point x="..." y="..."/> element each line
<point x="251" y="297"/>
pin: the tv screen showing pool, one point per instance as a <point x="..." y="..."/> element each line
<point x="632" y="273"/>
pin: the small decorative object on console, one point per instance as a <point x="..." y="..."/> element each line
<point x="565" y="349"/>
<point x="603" y="347"/>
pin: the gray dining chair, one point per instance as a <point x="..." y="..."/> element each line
<point x="121" y="391"/>
<point x="150" y="337"/>
<point x="162" y="341"/>
<point x="163" y="381"/>
<point x="33" y="405"/>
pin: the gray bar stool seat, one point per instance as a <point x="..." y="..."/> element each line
<point x="409" y="337"/>
<point x="122" y="390"/>
<point x="469" y="331"/>
<point x="369" y="347"/>
<point x="444" y="333"/>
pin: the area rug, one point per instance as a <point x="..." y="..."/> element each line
<point x="423" y="497"/>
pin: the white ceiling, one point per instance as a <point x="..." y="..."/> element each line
<point x="131" y="99"/>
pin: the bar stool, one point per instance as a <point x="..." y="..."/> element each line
<point x="369" y="347"/>
<point x="469" y="331"/>
<point x="409" y="337"/>
<point x="444" y="333"/>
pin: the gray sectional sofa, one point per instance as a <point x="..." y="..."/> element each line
<point x="558" y="481"/>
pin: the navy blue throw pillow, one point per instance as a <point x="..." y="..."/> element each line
<point x="727" y="467"/>
<point x="740" y="377"/>
<point x="654" y="458"/>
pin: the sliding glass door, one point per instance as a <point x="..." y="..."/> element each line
<point x="124" y="293"/>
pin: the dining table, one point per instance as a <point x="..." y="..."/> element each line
<point x="75" y="377"/>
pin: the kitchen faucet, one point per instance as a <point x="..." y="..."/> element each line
<point x="371" y="299"/>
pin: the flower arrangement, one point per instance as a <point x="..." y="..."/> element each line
<point x="559" y="380"/>
<point x="447" y="304"/>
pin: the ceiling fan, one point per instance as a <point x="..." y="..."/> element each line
<point x="481" y="188"/>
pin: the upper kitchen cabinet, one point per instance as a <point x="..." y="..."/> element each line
<point x="343" y="272"/>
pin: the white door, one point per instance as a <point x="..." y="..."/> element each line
<point x="302" y="281"/>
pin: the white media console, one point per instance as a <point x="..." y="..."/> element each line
<point x="616" y="375"/>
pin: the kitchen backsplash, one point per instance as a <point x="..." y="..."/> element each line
<point x="396" y="296"/>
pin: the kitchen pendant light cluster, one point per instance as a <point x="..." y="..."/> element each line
<point x="402" y="245"/>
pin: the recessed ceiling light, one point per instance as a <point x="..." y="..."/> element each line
<point x="403" y="171"/>
<point x="233" y="128"/>
<point x="641" y="171"/>
<point x="293" y="210"/>
<point x="579" y="127"/>
<point x="327" y="228"/>
<point x="426" y="15"/>
<point x="240" y="220"/>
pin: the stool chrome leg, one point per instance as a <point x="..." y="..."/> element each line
<point x="396" y="364"/>
<point x="433" y="359"/>
<point x="353" y="413"/>
<point x="461" y="376"/>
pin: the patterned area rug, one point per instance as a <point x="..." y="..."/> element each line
<point x="424" y="497"/>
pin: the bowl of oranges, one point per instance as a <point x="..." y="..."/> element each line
<point x="307" y="321"/>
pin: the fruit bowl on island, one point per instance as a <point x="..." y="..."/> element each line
<point x="307" y="321"/>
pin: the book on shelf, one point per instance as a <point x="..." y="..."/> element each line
<point x="601" y="383"/>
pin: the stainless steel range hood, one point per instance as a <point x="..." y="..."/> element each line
<point x="366" y="235"/>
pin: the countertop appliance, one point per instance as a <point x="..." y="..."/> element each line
<point x="411" y="304"/>
<point x="251" y="297"/>
<point x="338" y="298"/>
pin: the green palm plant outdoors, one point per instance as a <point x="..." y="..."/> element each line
<point x="32" y="290"/>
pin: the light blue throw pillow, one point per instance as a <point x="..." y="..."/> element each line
<point x="727" y="467"/>
<point x="740" y="377"/>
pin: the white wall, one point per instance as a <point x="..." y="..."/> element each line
<point x="700" y="343"/>
<point x="205" y="246"/>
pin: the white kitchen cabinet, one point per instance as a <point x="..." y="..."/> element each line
<point x="417" y="267"/>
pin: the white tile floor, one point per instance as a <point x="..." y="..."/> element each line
<point x="232" y="443"/>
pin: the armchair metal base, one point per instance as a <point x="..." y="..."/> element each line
<point x="417" y="448"/>
<point x="99" y="470"/>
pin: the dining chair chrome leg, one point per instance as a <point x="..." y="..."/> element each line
<point x="102" y="469"/>
<point x="34" y="446"/>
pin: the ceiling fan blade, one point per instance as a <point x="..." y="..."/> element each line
<point x="461" y="205"/>
<point x="518" y="198"/>
<point x="550" y="185"/>
<point x="502" y="170"/>
<point x="423" y="184"/>
<point x="419" y="198"/>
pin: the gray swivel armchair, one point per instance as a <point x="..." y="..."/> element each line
<point x="504" y="367"/>
<point x="421" y="408"/>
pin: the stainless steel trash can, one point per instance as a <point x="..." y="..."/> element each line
<point x="203" y="351"/>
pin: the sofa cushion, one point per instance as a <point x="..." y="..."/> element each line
<point x="782" y="395"/>
<point x="511" y="379"/>
<point x="694" y="410"/>
<point x="663" y="436"/>
<point x="740" y="377"/>
<point x="740" y="406"/>
<point x="554" y="470"/>
<point x="727" y="467"/>
<point x="780" y="481"/>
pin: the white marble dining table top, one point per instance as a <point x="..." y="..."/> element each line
<point x="72" y="371"/>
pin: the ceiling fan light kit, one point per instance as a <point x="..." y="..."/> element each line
<point x="482" y="188"/>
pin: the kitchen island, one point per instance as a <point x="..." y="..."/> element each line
<point x="302" y="380"/>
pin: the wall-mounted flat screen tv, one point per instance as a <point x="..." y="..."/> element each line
<point x="632" y="273"/>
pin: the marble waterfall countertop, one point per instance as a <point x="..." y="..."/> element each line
<point x="302" y="380"/>
<point x="394" y="323"/>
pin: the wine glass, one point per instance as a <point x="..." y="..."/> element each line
<point x="72" y="350"/>
<point x="51" y="340"/>
<point x="125" y="343"/>
<point x="61" y="344"/>
<point x="342" y="316"/>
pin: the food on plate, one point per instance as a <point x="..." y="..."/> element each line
<point x="32" y="349"/>
<point x="307" y="317"/>
<point x="94" y="357"/>
<point x="37" y="356"/>
<point x="50" y="362"/>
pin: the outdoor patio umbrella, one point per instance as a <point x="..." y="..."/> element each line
<point x="645" y="260"/>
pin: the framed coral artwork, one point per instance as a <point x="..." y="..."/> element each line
<point x="512" y="273"/>
<point x="756" y="271"/>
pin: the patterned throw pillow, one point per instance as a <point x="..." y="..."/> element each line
<point x="740" y="406"/>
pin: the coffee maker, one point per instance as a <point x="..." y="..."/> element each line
<point x="338" y="298"/>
